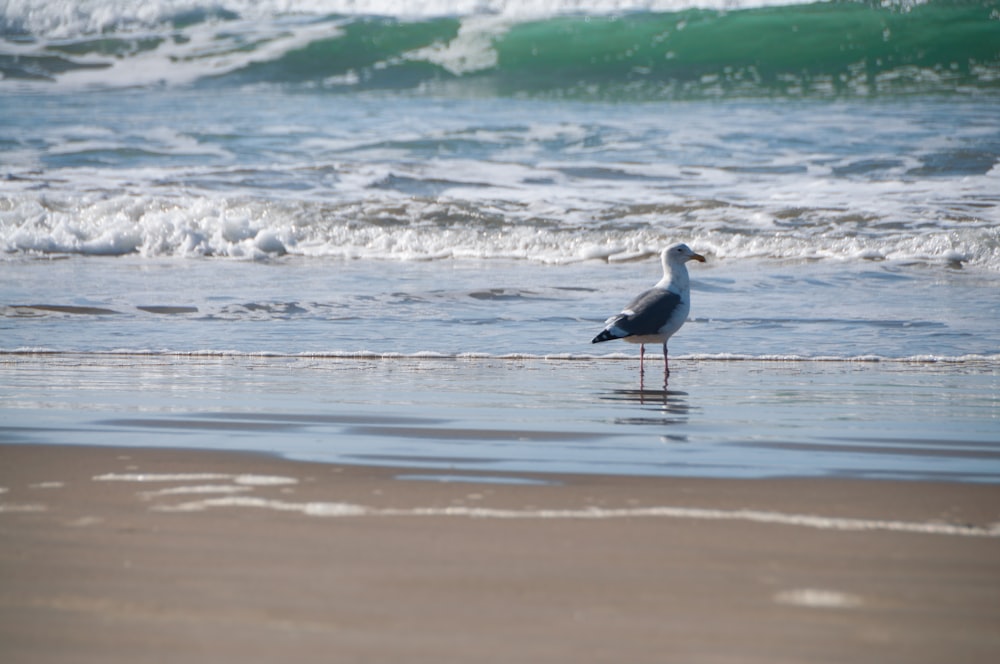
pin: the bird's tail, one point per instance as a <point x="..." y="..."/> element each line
<point x="605" y="335"/>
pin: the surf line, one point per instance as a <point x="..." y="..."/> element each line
<point x="322" y="509"/>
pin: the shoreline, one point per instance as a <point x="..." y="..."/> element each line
<point x="925" y="422"/>
<point x="114" y="553"/>
<point x="976" y="360"/>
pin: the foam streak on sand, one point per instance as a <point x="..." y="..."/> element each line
<point x="252" y="480"/>
<point x="778" y="518"/>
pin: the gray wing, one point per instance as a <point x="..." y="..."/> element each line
<point x="646" y="314"/>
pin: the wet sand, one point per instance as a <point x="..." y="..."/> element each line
<point x="123" y="555"/>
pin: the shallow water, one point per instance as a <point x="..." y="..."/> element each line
<point x="717" y="418"/>
<point x="293" y="306"/>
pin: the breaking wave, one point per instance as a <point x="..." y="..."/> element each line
<point x="672" y="49"/>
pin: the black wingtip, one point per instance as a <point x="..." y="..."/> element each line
<point x="603" y="336"/>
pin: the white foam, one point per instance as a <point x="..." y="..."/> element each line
<point x="242" y="479"/>
<point x="159" y="477"/>
<point x="310" y="509"/>
<point x="200" y="489"/>
<point x="204" y="52"/>
<point x="62" y="19"/>
<point x="47" y="485"/>
<point x="201" y="225"/>
<point x="818" y="598"/>
<point x="471" y="50"/>
<point x="264" y="480"/>
<point x="755" y="516"/>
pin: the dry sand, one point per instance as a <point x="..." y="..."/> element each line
<point x="149" y="563"/>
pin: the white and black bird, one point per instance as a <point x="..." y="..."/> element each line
<point x="656" y="314"/>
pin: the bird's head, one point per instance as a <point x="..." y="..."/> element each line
<point x="680" y="254"/>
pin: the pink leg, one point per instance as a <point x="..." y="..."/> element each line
<point x="642" y="355"/>
<point x="666" y="364"/>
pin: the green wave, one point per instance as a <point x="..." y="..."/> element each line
<point x="825" y="49"/>
<point x="829" y="48"/>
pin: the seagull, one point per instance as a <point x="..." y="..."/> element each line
<point x="656" y="314"/>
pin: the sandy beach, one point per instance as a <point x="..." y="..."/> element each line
<point x="123" y="555"/>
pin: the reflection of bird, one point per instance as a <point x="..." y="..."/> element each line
<point x="656" y="314"/>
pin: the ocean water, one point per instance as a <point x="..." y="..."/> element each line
<point x="426" y="211"/>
